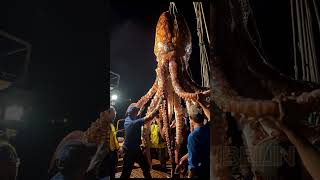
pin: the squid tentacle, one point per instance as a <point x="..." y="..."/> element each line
<point x="166" y="130"/>
<point x="151" y="107"/>
<point x="143" y="100"/>
<point x="162" y="84"/>
<point x="193" y="85"/>
<point x="173" y="68"/>
<point x="228" y="100"/>
<point x="179" y="119"/>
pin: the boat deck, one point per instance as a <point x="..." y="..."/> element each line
<point x="155" y="172"/>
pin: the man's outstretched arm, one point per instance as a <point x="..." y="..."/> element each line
<point x="150" y="116"/>
<point x="309" y="155"/>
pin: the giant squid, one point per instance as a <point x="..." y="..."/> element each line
<point x="172" y="49"/>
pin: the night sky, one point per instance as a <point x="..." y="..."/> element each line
<point x="68" y="71"/>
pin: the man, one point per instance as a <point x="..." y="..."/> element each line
<point x="9" y="162"/>
<point x="198" y="145"/>
<point x="132" y="141"/>
<point x="158" y="143"/>
<point x="73" y="160"/>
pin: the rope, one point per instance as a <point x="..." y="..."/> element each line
<point x="204" y="60"/>
<point x="317" y="13"/>
<point x="305" y="58"/>
<point x="300" y="38"/>
<point x="205" y="23"/>
<point x="309" y="44"/>
<point x="315" y="64"/>
<point x="173" y="8"/>
<point x="306" y="44"/>
<point x="294" y="40"/>
<point x="247" y="12"/>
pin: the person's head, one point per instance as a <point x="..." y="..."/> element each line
<point x="9" y="162"/>
<point x="133" y="110"/>
<point x="196" y="115"/>
<point x="108" y="116"/>
<point x="74" y="158"/>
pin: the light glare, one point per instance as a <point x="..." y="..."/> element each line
<point x="114" y="97"/>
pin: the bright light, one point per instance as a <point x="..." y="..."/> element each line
<point x="13" y="112"/>
<point x="114" y="97"/>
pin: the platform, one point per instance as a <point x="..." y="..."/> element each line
<point x="155" y="172"/>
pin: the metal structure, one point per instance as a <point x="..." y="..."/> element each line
<point x="114" y="80"/>
<point x="13" y="48"/>
<point x="114" y="84"/>
<point x="15" y="104"/>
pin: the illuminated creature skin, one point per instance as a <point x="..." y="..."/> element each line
<point x="172" y="49"/>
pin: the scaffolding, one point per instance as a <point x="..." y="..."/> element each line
<point x="14" y="49"/>
<point x="114" y="80"/>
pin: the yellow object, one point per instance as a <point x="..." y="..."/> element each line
<point x="155" y="137"/>
<point x="114" y="144"/>
<point x="154" y="134"/>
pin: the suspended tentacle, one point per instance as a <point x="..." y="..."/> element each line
<point x="228" y="100"/>
<point x="179" y="119"/>
<point x="173" y="68"/>
<point x="166" y="129"/>
<point x="143" y="100"/>
<point x="161" y="72"/>
<point x="147" y="126"/>
<point x="190" y="82"/>
<point x="276" y="82"/>
<point x="170" y="101"/>
<point x="162" y="126"/>
<point x="154" y="102"/>
<point x="152" y="106"/>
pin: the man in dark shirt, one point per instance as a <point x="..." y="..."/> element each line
<point x="132" y="141"/>
<point x="198" y="145"/>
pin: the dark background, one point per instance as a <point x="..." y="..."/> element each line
<point x="274" y="22"/>
<point x="68" y="72"/>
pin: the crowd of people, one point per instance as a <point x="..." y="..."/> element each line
<point x="82" y="161"/>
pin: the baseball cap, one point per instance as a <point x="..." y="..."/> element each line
<point x="133" y="107"/>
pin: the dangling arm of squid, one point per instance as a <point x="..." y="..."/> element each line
<point x="150" y="116"/>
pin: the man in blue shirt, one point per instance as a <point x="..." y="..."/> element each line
<point x="198" y="145"/>
<point x="132" y="141"/>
